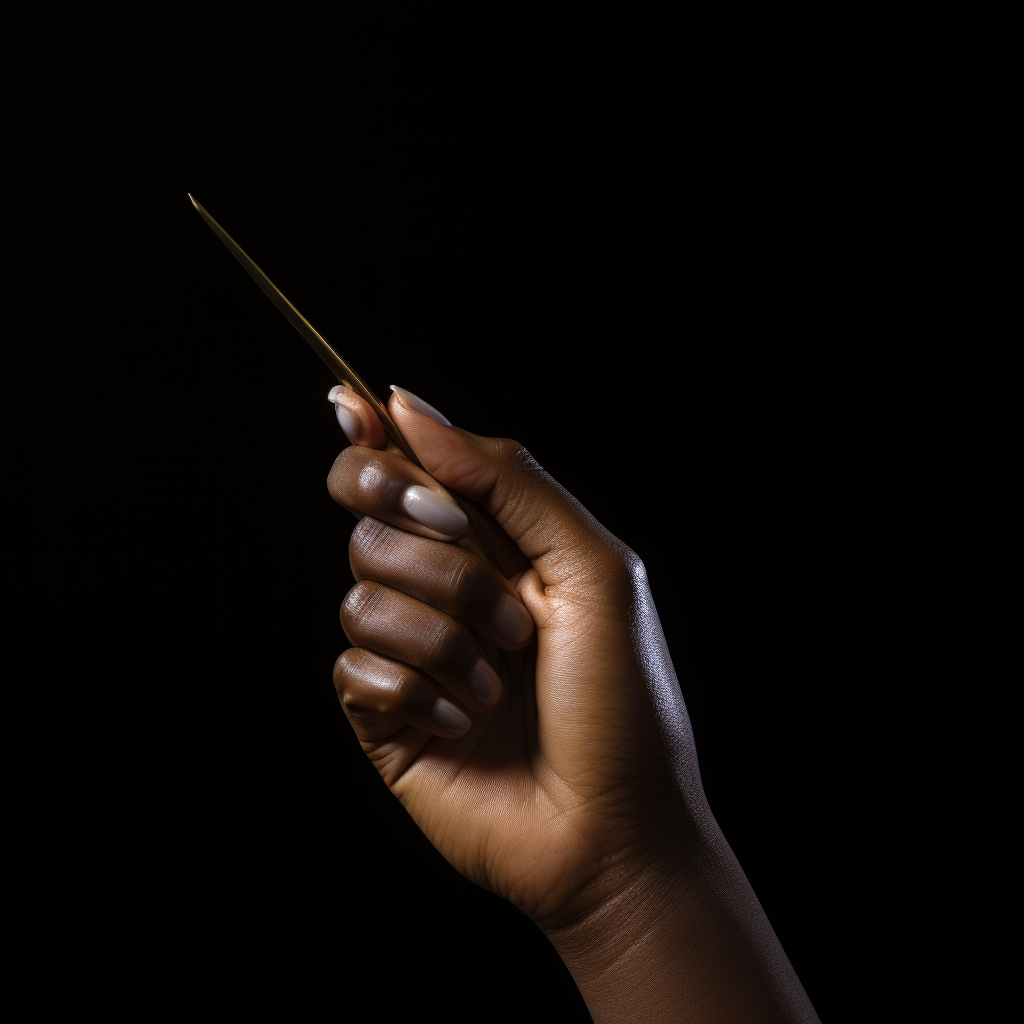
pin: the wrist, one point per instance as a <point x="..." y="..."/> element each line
<point x="679" y="936"/>
<point x="617" y="910"/>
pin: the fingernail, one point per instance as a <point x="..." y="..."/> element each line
<point x="512" y="620"/>
<point x="449" y="717"/>
<point x="407" y="398"/>
<point x="484" y="682"/>
<point x="346" y="418"/>
<point x="431" y="510"/>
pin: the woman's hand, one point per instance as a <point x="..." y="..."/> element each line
<point x="527" y="715"/>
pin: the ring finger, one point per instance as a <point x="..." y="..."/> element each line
<point x="404" y="629"/>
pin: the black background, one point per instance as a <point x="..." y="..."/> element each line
<point x="611" y="239"/>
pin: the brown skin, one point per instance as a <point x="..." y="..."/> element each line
<point x="577" y="796"/>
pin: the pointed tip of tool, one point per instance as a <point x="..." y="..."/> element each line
<point x="192" y="197"/>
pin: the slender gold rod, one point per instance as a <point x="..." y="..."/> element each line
<point x="471" y="539"/>
<point x="337" y="365"/>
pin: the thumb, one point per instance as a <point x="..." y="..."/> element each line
<point x="549" y="526"/>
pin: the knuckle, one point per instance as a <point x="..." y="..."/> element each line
<point x="367" y="483"/>
<point x="444" y="643"/>
<point x="507" y="447"/>
<point x="467" y="584"/>
<point x="349" y="671"/>
<point x="359" y="604"/>
<point x="354" y="695"/>
<point x="506" y="463"/>
<point x="350" y="661"/>
<point x="366" y="683"/>
<point x="377" y="486"/>
<point x="370" y="538"/>
<point x="512" y="452"/>
<point x="362" y="479"/>
<point x="520" y="458"/>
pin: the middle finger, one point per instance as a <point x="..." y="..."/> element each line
<point x="447" y="577"/>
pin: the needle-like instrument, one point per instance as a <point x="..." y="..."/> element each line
<point x="345" y="374"/>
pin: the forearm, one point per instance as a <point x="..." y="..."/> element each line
<point x="686" y="941"/>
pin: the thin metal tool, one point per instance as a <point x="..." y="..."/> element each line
<point x="345" y="374"/>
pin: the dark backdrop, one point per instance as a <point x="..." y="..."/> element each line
<point x="601" y="237"/>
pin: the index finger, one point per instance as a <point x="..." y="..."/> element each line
<point x="388" y="486"/>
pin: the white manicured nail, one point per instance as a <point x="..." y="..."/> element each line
<point x="484" y="682"/>
<point x="409" y="399"/>
<point x="512" y="620"/>
<point x="346" y="418"/>
<point x="449" y="717"/>
<point x="431" y="510"/>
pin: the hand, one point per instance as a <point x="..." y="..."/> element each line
<point x="527" y="715"/>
